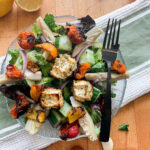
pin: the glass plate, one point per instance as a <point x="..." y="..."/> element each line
<point x="47" y="131"/>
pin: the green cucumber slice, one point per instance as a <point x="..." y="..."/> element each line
<point x="88" y="57"/>
<point x="96" y="93"/>
<point x="29" y="82"/>
<point x="55" y="118"/>
<point x="63" y="43"/>
<point x="65" y="109"/>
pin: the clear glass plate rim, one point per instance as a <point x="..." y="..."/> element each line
<point x="80" y="136"/>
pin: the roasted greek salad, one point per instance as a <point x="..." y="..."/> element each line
<point x="58" y="74"/>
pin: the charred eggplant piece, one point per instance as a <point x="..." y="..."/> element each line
<point x="20" y="106"/>
<point x="87" y="24"/>
<point x="11" y="91"/>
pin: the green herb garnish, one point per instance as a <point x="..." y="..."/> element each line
<point x="124" y="127"/>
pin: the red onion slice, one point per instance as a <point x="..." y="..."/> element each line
<point x="95" y="81"/>
<point x="64" y="84"/>
<point x="24" y="57"/>
<point x="83" y="49"/>
<point x="43" y="39"/>
<point x="95" y="107"/>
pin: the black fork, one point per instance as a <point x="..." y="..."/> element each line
<point x="109" y="54"/>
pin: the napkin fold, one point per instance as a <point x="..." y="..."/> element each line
<point x="134" y="41"/>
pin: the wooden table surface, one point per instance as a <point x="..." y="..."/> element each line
<point x="136" y="114"/>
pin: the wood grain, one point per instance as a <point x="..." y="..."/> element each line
<point x="136" y="114"/>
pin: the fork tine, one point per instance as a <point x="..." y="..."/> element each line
<point x="112" y="44"/>
<point x="105" y="38"/>
<point x="110" y="34"/>
<point x="117" y="39"/>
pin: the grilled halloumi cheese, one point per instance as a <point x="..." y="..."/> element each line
<point x="64" y="66"/>
<point x="82" y="90"/>
<point x="52" y="98"/>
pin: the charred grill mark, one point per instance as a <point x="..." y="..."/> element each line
<point x="31" y="39"/>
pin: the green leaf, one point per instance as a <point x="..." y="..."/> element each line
<point x="14" y="55"/>
<point x="57" y="83"/>
<point x="50" y="21"/>
<point x="47" y="81"/>
<point x="114" y="83"/>
<point x="24" y="120"/>
<point x="99" y="67"/>
<point x="98" y="56"/>
<point x="46" y="69"/>
<point x="59" y="29"/>
<point x="41" y="59"/>
<point x="21" y="61"/>
<point x="38" y="39"/>
<point x="36" y="29"/>
<point x="113" y="95"/>
<point x="67" y="92"/>
<point x="124" y="127"/>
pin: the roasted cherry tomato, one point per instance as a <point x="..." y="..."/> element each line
<point x="20" y="106"/>
<point x="26" y="40"/>
<point x="75" y="35"/>
<point x="36" y="91"/>
<point x="64" y="132"/>
<point x="32" y="66"/>
<point x="69" y="130"/>
<point x="119" y="67"/>
<point x="13" y="72"/>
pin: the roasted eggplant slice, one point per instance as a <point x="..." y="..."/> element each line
<point x="20" y="106"/>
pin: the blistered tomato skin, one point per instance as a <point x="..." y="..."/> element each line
<point x="13" y="72"/>
<point x="20" y="106"/>
<point x="26" y="40"/>
<point x="74" y="35"/>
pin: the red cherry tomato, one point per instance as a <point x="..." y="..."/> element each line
<point x="69" y="130"/>
<point x="74" y="35"/>
<point x="26" y="40"/>
<point x="13" y="72"/>
<point x="73" y="131"/>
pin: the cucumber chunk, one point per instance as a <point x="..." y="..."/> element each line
<point x="29" y="82"/>
<point x="55" y="118"/>
<point x="88" y="57"/>
<point x="65" y="109"/>
<point x="96" y="116"/>
<point x="63" y="43"/>
<point x="96" y="93"/>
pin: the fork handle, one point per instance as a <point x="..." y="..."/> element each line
<point x="106" y="113"/>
